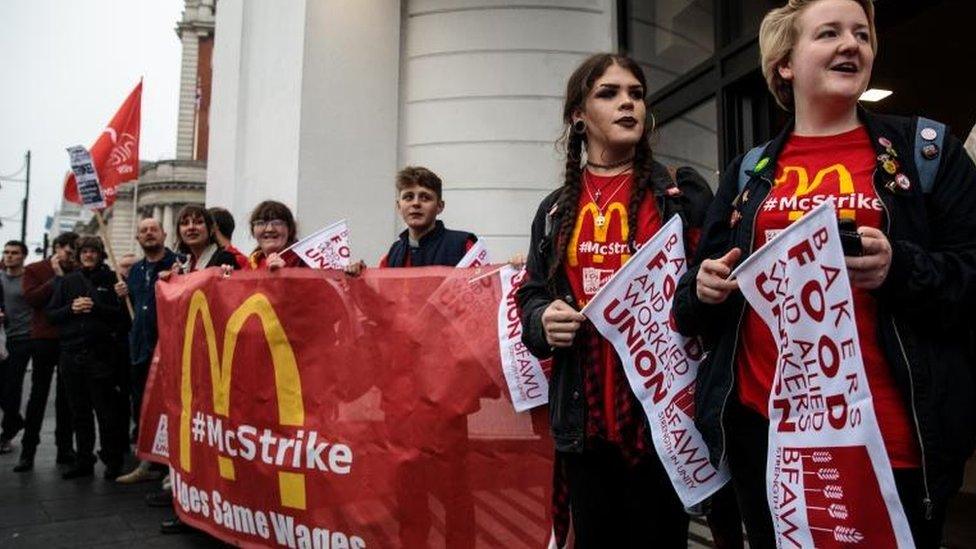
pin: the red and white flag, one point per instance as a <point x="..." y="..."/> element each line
<point x="633" y="311"/>
<point x="525" y="375"/>
<point x="477" y="256"/>
<point x="115" y="153"/>
<point x="829" y="481"/>
<point x="326" y="248"/>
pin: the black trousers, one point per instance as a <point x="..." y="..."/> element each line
<point x="12" y="387"/>
<point x="616" y="504"/>
<point x="748" y="441"/>
<point x="45" y="354"/>
<point x="91" y="377"/>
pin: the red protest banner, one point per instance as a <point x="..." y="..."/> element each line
<point x="356" y="416"/>
<point x="116" y="151"/>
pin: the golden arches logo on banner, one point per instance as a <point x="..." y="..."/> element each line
<point x="599" y="233"/>
<point x="288" y="384"/>
<point x="804" y="186"/>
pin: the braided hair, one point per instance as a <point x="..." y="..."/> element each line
<point x="577" y="90"/>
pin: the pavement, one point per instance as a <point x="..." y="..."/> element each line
<point x="39" y="509"/>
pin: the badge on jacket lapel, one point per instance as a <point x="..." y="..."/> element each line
<point x="735" y="218"/>
<point x="888" y="160"/>
<point x="900" y="184"/>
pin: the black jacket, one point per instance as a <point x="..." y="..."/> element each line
<point x="441" y="246"/>
<point x="95" y="329"/>
<point x="923" y="304"/>
<point x="567" y="403"/>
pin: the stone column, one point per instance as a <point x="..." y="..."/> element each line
<point x="481" y="104"/>
<point x="197" y="22"/>
<point x="167" y="222"/>
<point x="322" y="137"/>
<point x="157" y="213"/>
<point x="188" y="94"/>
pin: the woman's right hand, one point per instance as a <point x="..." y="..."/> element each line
<point x="275" y="262"/>
<point x="355" y="267"/>
<point x="712" y="284"/>
<point x="561" y="322"/>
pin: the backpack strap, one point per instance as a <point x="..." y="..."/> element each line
<point x="929" y="136"/>
<point x="748" y="163"/>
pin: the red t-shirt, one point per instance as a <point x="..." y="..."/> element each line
<point x="239" y="257"/>
<point x="596" y="252"/>
<point x="810" y="169"/>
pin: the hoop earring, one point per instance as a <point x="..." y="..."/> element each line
<point x="579" y="127"/>
<point x="653" y="122"/>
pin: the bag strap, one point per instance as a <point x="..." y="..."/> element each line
<point x="748" y="163"/>
<point x="928" y="132"/>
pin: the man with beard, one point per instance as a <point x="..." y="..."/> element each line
<point x="38" y="284"/>
<point x="140" y="287"/>
<point x="84" y="305"/>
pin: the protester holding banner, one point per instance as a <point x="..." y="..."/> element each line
<point x="911" y="192"/>
<point x="140" y="287"/>
<point x="425" y="241"/>
<point x="196" y="238"/>
<point x="274" y="227"/>
<point x="84" y="305"/>
<point x="613" y="198"/>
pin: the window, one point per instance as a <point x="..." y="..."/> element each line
<point x="690" y="139"/>
<point x="669" y="37"/>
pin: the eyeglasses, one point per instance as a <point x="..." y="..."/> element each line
<point x="272" y="223"/>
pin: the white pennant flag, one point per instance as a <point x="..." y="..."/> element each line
<point x="633" y="312"/>
<point x="326" y="248"/>
<point x="477" y="256"/>
<point x="829" y="481"/>
<point x="524" y="374"/>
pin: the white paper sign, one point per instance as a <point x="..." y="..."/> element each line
<point x="477" y="256"/>
<point x="633" y="312"/>
<point x="89" y="189"/>
<point x="829" y="483"/>
<point x="526" y="379"/>
<point x="326" y="248"/>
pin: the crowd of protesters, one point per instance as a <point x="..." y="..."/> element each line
<point x="69" y="313"/>
<point x="72" y="315"/>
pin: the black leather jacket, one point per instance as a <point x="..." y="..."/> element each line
<point x="924" y="305"/>
<point x="567" y="404"/>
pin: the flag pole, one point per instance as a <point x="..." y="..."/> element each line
<point x="111" y="257"/>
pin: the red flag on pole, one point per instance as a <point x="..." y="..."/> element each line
<point x="116" y="151"/>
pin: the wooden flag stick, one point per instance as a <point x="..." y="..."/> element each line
<point x="489" y="273"/>
<point x="111" y="257"/>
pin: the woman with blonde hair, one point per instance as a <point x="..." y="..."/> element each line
<point x="910" y="191"/>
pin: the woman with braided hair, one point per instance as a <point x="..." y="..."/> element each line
<point x="613" y="198"/>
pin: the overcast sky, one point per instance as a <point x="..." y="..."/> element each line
<point x="66" y="67"/>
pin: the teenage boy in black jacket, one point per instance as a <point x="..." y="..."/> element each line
<point x="85" y="307"/>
